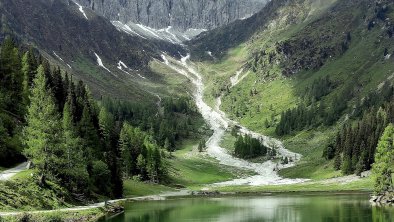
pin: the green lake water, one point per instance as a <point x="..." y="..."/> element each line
<point x="291" y="207"/>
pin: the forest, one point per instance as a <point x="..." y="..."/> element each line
<point x="247" y="147"/>
<point x="313" y="110"/>
<point x="355" y="145"/>
<point x="89" y="146"/>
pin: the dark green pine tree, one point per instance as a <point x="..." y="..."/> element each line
<point x="337" y="160"/>
<point x="112" y="154"/>
<point x="58" y="89"/>
<point x="29" y="69"/>
<point x="71" y="96"/>
<point x="89" y="134"/>
<point x="11" y="77"/>
<point x="4" y="137"/>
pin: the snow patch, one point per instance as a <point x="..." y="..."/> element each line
<point x="126" y="28"/>
<point x="100" y="62"/>
<point x="121" y="65"/>
<point x="149" y="30"/>
<point x="168" y="34"/>
<point x="57" y="56"/>
<point x="141" y="76"/>
<point x="168" y="30"/>
<point x="81" y="10"/>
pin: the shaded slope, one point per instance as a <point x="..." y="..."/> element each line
<point x="73" y="36"/>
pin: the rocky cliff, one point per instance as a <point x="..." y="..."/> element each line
<point x="180" y="14"/>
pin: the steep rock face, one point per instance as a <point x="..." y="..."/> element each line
<point x="180" y="14"/>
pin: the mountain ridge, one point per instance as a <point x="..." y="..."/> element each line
<point x="180" y="14"/>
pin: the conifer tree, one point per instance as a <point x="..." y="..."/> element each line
<point x="89" y="134"/>
<point x="125" y="145"/>
<point x="58" y="89"/>
<point x="3" y="141"/>
<point x="26" y="70"/>
<point x="42" y="133"/>
<point x="11" y="77"/>
<point x="75" y="173"/>
<point x="383" y="168"/>
<point x="141" y="164"/>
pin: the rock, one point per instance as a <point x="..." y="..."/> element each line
<point x="208" y="193"/>
<point x="113" y="208"/>
<point x="365" y="174"/>
<point x="385" y="199"/>
<point x="180" y="14"/>
<point x="373" y="198"/>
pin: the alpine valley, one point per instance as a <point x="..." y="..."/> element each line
<point x="197" y="110"/>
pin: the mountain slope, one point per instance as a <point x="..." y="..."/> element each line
<point x="87" y="45"/>
<point x="284" y="57"/>
<point x="276" y="15"/>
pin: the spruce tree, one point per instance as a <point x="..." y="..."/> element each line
<point x="11" y="77"/>
<point x="112" y="155"/>
<point x="58" y="89"/>
<point x="3" y="142"/>
<point x="125" y="145"/>
<point x="89" y="134"/>
<point x="26" y="70"/>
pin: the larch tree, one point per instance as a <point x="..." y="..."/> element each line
<point x="383" y="168"/>
<point x="43" y="133"/>
<point x="75" y="173"/>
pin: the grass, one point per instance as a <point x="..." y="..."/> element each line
<point x="193" y="170"/>
<point x="361" y="67"/>
<point x="133" y="188"/>
<point x="312" y="169"/>
<point x="26" y="195"/>
<point x="90" y="215"/>
<point x="23" y="175"/>
<point x="169" y="83"/>
<point x="228" y="142"/>
<point x="364" y="184"/>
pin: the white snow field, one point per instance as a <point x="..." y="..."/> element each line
<point x="168" y="34"/>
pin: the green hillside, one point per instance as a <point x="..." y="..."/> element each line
<point x="291" y="52"/>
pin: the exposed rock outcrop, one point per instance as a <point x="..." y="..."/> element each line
<point x="180" y="14"/>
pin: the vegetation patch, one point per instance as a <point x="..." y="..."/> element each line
<point x="90" y="215"/>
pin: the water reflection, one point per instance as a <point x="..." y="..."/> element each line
<point x="294" y="208"/>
